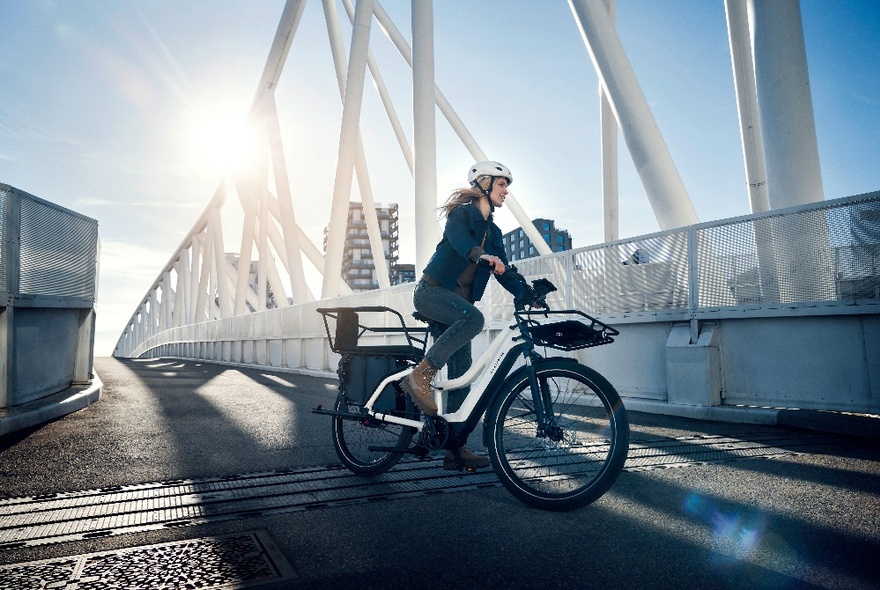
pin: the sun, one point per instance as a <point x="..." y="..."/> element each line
<point x="223" y="141"/>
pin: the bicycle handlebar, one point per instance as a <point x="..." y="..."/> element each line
<point x="532" y="296"/>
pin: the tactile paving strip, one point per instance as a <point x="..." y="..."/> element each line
<point x="240" y="560"/>
<point x="72" y="516"/>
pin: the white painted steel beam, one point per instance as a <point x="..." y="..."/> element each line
<point x="291" y="243"/>
<point x="666" y="192"/>
<point x="742" y="61"/>
<point x="390" y="111"/>
<point x="610" y="191"/>
<point x="153" y="313"/>
<point x="785" y="104"/>
<point x="208" y="288"/>
<point x="181" y="292"/>
<point x="195" y="281"/>
<point x="224" y="296"/>
<point x="424" y="131"/>
<point x="247" y="192"/>
<point x="262" y="237"/>
<point x="747" y="103"/>
<point x="337" y="48"/>
<point x="351" y="111"/>
<point x="202" y="286"/>
<point x="168" y="297"/>
<point x="463" y="134"/>
<point x="791" y="152"/>
<point x="308" y="248"/>
<point x="281" y="43"/>
<point x="230" y="277"/>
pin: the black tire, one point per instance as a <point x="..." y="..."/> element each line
<point x="352" y="439"/>
<point x="592" y="439"/>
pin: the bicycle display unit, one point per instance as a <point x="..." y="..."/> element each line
<point x="556" y="430"/>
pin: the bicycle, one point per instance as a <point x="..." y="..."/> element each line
<point x="556" y="430"/>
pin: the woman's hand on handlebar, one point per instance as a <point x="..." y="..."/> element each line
<point x="494" y="263"/>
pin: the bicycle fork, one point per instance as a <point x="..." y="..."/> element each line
<point x="543" y="404"/>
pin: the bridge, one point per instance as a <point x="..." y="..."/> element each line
<point x="765" y="326"/>
<point x="722" y="319"/>
<point x="710" y="314"/>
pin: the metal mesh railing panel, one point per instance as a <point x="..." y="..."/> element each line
<point x="553" y="269"/>
<point x="821" y="254"/>
<point x="58" y="252"/>
<point x="3" y="197"/>
<point x="646" y="274"/>
<point x="857" y="264"/>
<point x="813" y="259"/>
<point x="728" y="265"/>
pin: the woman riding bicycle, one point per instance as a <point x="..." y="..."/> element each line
<point x="453" y="280"/>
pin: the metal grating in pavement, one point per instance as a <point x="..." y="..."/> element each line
<point x="239" y="560"/>
<point x="72" y="516"/>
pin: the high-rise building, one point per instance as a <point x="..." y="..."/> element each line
<point x="403" y="273"/>
<point x="358" y="265"/>
<point x="517" y="244"/>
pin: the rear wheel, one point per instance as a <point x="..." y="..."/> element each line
<point x="581" y="451"/>
<point x="352" y="438"/>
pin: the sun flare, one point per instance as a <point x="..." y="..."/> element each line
<point x="223" y="142"/>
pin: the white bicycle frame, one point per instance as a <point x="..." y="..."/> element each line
<point x="506" y="340"/>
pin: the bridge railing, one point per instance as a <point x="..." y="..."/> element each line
<point x="816" y="259"/>
<point x="48" y="285"/>
<point x="795" y="293"/>
<point x="819" y="259"/>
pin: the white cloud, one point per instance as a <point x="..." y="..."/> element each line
<point x="129" y="260"/>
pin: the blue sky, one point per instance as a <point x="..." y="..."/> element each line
<point x="104" y="107"/>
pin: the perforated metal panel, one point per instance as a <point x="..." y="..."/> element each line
<point x="58" y="251"/>
<point x="3" y="197"/>
<point x="857" y="265"/>
<point x="820" y="254"/>
<point x="640" y="275"/>
<point x="817" y="253"/>
<point x="768" y="260"/>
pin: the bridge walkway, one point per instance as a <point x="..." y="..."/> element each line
<point x="220" y="477"/>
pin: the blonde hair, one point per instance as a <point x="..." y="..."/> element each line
<point x="463" y="196"/>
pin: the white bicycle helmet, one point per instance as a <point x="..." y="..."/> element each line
<point x="489" y="168"/>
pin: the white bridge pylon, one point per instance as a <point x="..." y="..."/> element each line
<point x="201" y="283"/>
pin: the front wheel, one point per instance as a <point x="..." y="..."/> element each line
<point x="364" y="445"/>
<point x="580" y="450"/>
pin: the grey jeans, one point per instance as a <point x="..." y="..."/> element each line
<point x="463" y="321"/>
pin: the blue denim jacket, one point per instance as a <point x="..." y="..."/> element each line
<point x="465" y="228"/>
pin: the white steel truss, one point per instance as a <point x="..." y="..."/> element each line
<point x="199" y="283"/>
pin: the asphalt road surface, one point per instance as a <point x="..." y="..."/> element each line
<point x="184" y="463"/>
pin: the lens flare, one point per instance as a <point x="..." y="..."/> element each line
<point x="735" y="532"/>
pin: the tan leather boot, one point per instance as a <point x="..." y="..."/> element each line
<point x="469" y="460"/>
<point x="418" y="386"/>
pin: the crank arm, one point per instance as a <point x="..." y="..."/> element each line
<point x="420" y="451"/>
<point x="343" y="415"/>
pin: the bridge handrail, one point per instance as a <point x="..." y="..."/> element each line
<point x="818" y="259"/>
